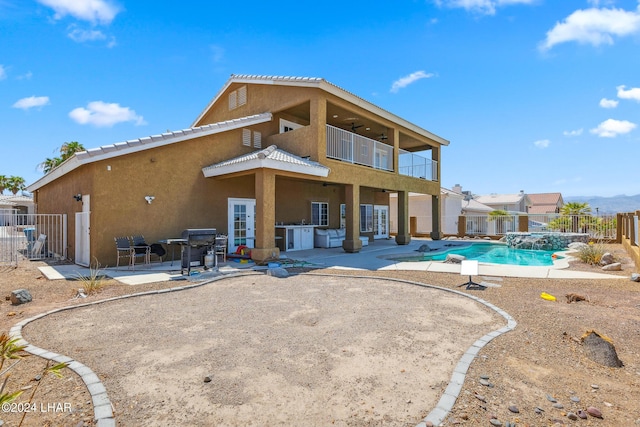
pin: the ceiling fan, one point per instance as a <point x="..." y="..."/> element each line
<point x="382" y="137"/>
<point x="354" y="127"/>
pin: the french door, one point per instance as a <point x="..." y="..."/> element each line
<point x="241" y="223"/>
<point x="380" y="222"/>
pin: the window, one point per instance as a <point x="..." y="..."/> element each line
<point x="366" y="218"/>
<point x="288" y="126"/>
<point x="343" y="215"/>
<point x="320" y="213"/>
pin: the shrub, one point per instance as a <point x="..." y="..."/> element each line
<point x="592" y="253"/>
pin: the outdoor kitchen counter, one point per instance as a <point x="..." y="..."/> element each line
<point x="294" y="237"/>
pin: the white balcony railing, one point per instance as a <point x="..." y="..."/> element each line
<point x="411" y="164"/>
<point x="354" y="148"/>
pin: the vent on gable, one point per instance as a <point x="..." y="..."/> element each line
<point x="238" y="97"/>
<point x="246" y="137"/>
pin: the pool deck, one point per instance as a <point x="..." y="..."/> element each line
<point x="376" y="256"/>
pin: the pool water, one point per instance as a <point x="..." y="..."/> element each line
<point x="496" y="254"/>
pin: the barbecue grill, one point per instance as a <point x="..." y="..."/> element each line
<point x="197" y="242"/>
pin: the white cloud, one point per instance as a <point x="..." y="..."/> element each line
<point x="103" y="114"/>
<point x="608" y="103"/>
<point x="576" y="132"/>
<point x="542" y="143"/>
<point x="593" y="26"/>
<point x="3" y="72"/>
<point x="487" y="7"/>
<point x="94" y="11"/>
<point x="611" y="128"/>
<point x="26" y="76"/>
<point x="407" y="80"/>
<point x="80" y="35"/>
<point x="633" y="93"/>
<point x="31" y="102"/>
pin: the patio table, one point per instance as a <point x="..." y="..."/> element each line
<point x="173" y="243"/>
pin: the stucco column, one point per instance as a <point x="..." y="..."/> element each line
<point x="318" y="114"/>
<point x="523" y="223"/>
<point x="462" y="226"/>
<point x="436" y="231"/>
<point x="351" y="242"/>
<point x="265" y="248"/>
<point x="403" y="237"/>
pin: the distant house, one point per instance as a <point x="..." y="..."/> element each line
<point x="20" y="202"/>
<point x="545" y="203"/>
<point x="512" y="203"/>
<point x="267" y="150"/>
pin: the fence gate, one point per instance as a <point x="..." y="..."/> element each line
<point x="32" y="236"/>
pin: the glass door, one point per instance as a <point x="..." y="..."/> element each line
<point x="380" y="222"/>
<point x="241" y="223"/>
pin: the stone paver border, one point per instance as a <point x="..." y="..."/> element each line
<point x="103" y="409"/>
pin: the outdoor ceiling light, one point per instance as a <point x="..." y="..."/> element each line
<point x="77" y="197"/>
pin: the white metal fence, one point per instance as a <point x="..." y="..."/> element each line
<point x="354" y="148"/>
<point x="417" y="166"/>
<point x="32" y="236"/>
<point x="598" y="227"/>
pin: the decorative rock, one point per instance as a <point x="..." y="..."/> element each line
<point x="538" y="410"/>
<point x="514" y="409"/>
<point x="607" y="258"/>
<point x="20" y="296"/>
<point x="601" y="350"/>
<point x="424" y="248"/>
<point x="495" y="422"/>
<point x="594" y="412"/>
<point x="558" y="405"/>
<point x="551" y="398"/>
<point x="484" y="377"/>
<point x="575" y="399"/>
<point x="207" y="379"/>
<point x="616" y="266"/>
<point x="485" y="382"/>
<point x="454" y="259"/>
<point x="635" y="277"/>
<point x="428" y="424"/>
<point x="480" y="397"/>
<point x="278" y="272"/>
<point x="595" y="386"/>
<point x="582" y="414"/>
<point x="572" y="416"/>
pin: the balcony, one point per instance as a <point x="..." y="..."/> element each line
<point x="353" y="148"/>
<point x="417" y="166"/>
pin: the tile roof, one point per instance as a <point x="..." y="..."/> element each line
<point x="271" y="157"/>
<point x="505" y="199"/>
<point x="545" y="198"/>
<point x="16" y="199"/>
<point x="140" y="144"/>
<point x="324" y="85"/>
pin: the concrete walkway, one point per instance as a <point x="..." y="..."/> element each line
<point x="375" y="256"/>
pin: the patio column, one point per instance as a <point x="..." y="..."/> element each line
<point x="436" y="232"/>
<point x="265" y="248"/>
<point x="403" y="237"/>
<point x="351" y="242"/>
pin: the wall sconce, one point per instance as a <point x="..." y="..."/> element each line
<point x="77" y="197"/>
<point x="149" y="199"/>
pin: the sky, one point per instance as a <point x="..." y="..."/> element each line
<point x="533" y="95"/>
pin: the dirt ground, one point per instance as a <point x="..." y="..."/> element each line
<point x="541" y="358"/>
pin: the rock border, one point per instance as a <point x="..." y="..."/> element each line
<point x="103" y="409"/>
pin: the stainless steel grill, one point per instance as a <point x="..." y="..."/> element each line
<point x="197" y="242"/>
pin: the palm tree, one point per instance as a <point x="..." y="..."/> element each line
<point x="67" y="150"/>
<point x="3" y="183"/>
<point x="575" y="210"/>
<point x="15" y="184"/>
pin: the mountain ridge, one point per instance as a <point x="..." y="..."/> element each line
<point x="611" y="204"/>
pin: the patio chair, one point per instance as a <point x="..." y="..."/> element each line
<point x="126" y="250"/>
<point x="141" y="248"/>
<point x="220" y="247"/>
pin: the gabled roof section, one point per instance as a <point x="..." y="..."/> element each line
<point x="15" y="199"/>
<point x="272" y="158"/>
<point x="319" y="83"/>
<point x="473" y="205"/>
<point x="545" y="198"/>
<point x="503" y="199"/>
<point x="140" y="144"/>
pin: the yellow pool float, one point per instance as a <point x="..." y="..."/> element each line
<point x="547" y="296"/>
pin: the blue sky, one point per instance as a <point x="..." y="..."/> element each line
<point x="534" y="95"/>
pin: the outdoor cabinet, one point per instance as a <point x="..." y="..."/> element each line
<point x="294" y="237"/>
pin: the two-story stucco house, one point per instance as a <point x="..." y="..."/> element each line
<point x="265" y="151"/>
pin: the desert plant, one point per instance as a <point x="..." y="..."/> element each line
<point x="55" y="370"/>
<point x="9" y="350"/>
<point x="591" y="253"/>
<point x="92" y="283"/>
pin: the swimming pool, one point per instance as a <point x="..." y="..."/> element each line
<point x="494" y="253"/>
